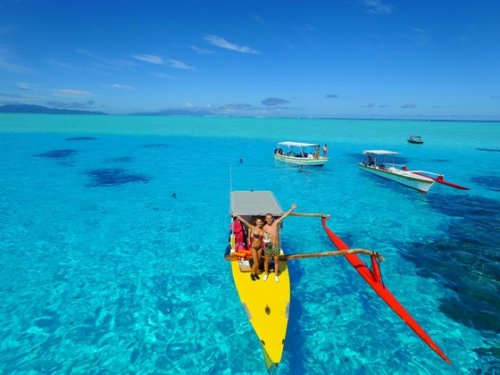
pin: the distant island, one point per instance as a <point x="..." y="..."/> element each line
<point x="177" y="112"/>
<point x="29" y="108"/>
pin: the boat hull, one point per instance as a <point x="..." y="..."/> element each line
<point x="407" y="178"/>
<point x="302" y="161"/>
<point x="266" y="304"/>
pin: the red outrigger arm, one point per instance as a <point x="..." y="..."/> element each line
<point x="373" y="278"/>
<point x="440" y="179"/>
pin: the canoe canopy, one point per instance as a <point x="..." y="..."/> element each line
<point x="379" y="152"/>
<point x="254" y="203"/>
<point x="297" y="144"/>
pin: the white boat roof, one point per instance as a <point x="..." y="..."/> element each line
<point x="297" y="144"/>
<point x="254" y="203"/>
<point x="379" y="152"/>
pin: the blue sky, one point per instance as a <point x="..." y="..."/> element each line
<point x="339" y="58"/>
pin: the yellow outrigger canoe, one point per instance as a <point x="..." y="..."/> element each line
<point x="266" y="303"/>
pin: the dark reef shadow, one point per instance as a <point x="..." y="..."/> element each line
<point x="57" y="154"/>
<point x="488" y="182"/>
<point x="114" y="177"/>
<point x="488" y="149"/>
<point x="63" y="157"/>
<point x="465" y="260"/>
<point x="81" y="139"/>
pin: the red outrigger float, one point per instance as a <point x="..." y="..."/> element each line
<point x="374" y="279"/>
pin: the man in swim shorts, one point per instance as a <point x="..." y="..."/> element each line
<point x="272" y="240"/>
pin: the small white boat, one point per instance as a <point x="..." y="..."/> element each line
<point x="415" y="139"/>
<point x="300" y="153"/>
<point x="376" y="163"/>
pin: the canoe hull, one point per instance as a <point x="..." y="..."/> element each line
<point x="407" y="178"/>
<point x="302" y="161"/>
<point x="266" y="304"/>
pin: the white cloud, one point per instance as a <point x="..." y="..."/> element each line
<point x="420" y="35"/>
<point x="417" y="30"/>
<point x="378" y="7"/>
<point x="157" y="60"/>
<point x="25" y="86"/>
<point x="201" y="51"/>
<point x="307" y="28"/>
<point x="58" y="63"/>
<point x="163" y="75"/>
<point x="178" y="64"/>
<point x="223" y="43"/>
<point x="72" y="92"/>
<point x="118" y="86"/>
<point x="99" y="62"/>
<point x="152" y="59"/>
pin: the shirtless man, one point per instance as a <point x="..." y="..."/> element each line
<point x="273" y="246"/>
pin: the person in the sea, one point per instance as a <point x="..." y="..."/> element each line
<point x="256" y="236"/>
<point x="272" y="239"/>
<point x="325" y="150"/>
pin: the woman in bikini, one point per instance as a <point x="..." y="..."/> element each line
<point x="256" y="236"/>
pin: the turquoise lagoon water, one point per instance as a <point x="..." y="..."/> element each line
<point x="104" y="271"/>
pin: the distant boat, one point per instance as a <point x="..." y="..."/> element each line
<point x="419" y="180"/>
<point x="300" y="153"/>
<point x="416" y="139"/>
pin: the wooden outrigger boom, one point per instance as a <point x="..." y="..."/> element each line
<point x="321" y="254"/>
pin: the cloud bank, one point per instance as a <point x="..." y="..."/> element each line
<point x="272" y="102"/>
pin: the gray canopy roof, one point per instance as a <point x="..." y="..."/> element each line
<point x="254" y="203"/>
